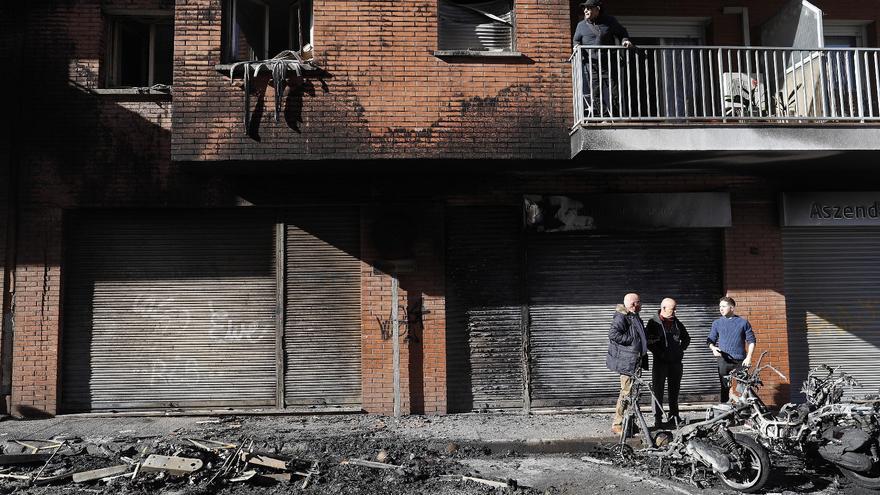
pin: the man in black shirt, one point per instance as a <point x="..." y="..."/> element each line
<point x="600" y="29"/>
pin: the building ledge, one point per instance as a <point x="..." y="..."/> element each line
<point x="151" y="93"/>
<point x="795" y="140"/>
<point x="237" y="69"/>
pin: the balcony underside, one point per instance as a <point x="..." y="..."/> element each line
<point x="723" y="143"/>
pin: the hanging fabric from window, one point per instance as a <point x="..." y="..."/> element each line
<point x="483" y="26"/>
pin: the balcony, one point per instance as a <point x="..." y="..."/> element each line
<point x="709" y="102"/>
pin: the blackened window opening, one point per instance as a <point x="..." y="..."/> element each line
<point x="261" y="29"/>
<point x="141" y="51"/>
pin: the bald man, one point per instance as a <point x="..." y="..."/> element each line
<point x="627" y="350"/>
<point x="667" y="341"/>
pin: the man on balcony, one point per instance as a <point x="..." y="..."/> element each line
<point x="601" y="29"/>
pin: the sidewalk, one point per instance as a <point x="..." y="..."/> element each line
<point x="474" y="427"/>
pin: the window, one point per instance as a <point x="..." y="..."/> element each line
<point x="141" y="50"/>
<point x="476" y="25"/>
<point x="845" y="72"/>
<point x="844" y="34"/>
<point x="671" y="80"/>
<point x="261" y="29"/>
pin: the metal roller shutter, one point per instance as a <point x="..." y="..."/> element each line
<point x="831" y="278"/>
<point x="576" y="280"/>
<point x="173" y="309"/>
<point x="484" y="314"/>
<point x="322" y="319"/>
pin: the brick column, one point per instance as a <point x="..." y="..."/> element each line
<point x="421" y="310"/>
<point x="37" y="316"/>
<point x="754" y="278"/>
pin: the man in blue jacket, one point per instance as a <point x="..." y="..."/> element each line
<point x="627" y="350"/>
<point x="731" y="341"/>
<point x="600" y="29"/>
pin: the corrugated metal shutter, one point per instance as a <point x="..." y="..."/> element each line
<point x="468" y="25"/>
<point x="484" y="324"/>
<point x="831" y="280"/>
<point x="577" y="279"/>
<point x="322" y="320"/>
<point x="173" y="309"/>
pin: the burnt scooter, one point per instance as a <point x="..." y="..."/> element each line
<point x="698" y="451"/>
<point x="825" y="428"/>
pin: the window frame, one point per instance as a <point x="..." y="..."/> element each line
<point x="230" y="40"/>
<point x="665" y="27"/>
<point x="311" y="26"/>
<point x="512" y="50"/>
<point x="856" y="29"/>
<point x="113" y="55"/>
<point x="230" y="47"/>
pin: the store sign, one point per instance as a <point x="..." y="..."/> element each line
<point x="831" y="209"/>
<point x="626" y="211"/>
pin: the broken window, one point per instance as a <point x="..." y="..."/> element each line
<point x="141" y="51"/>
<point x="260" y="29"/>
<point x="476" y="25"/>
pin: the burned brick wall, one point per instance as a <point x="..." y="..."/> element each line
<point x="76" y="147"/>
<point x="383" y="92"/>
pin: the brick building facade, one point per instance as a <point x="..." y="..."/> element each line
<point x="392" y="127"/>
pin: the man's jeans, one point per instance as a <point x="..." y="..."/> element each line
<point x="626" y="383"/>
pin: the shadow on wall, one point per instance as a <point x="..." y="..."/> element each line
<point x="295" y="89"/>
<point x="29" y="412"/>
<point x="828" y="330"/>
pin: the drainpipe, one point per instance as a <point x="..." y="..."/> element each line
<point x="7" y="323"/>
<point x="744" y="12"/>
<point x="395" y="342"/>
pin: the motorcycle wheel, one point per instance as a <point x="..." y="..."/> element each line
<point x="870" y="480"/>
<point x="756" y="470"/>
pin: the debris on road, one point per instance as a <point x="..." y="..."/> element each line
<point x="371" y="464"/>
<point x="97" y="474"/>
<point x="147" y="462"/>
<point x="176" y="466"/>
<point x="13" y="459"/>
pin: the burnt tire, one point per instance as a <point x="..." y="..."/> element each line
<point x="753" y="474"/>
<point x="869" y="481"/>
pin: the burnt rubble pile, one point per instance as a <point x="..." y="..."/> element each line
<point x="221" y="458"/>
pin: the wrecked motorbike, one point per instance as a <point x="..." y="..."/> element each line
<point x="824" y="429"/>
<point x="700" y="450"/>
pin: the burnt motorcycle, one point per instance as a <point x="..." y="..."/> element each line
<point x="698" y="451"/>
<point x="825" y="429"/>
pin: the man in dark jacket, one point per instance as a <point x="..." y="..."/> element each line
<point x="667" y="341"/>
<point x="600" y="29"/>
<point x="627" y="350"/>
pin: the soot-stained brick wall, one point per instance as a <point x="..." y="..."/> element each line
<point x="383" y="92"/>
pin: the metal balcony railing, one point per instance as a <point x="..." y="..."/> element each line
<point x="723" y="84"/>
